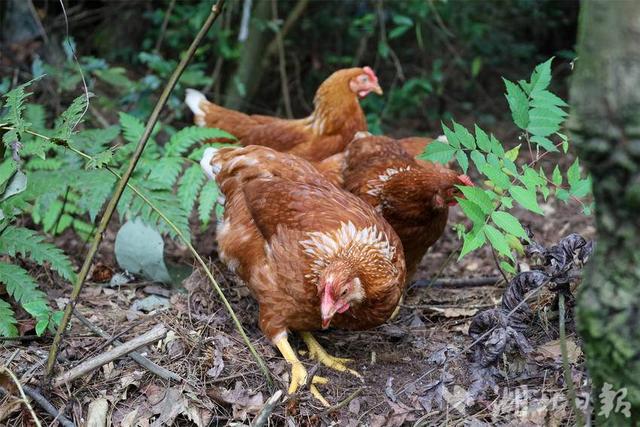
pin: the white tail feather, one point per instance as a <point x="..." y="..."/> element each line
<point x="193" y="98"/>
<point x="211" y="170"/>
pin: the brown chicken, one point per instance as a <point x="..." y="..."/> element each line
<point x="414" y="197"/>
<point x="336" y="117"/>
<point x="311" y="254"/>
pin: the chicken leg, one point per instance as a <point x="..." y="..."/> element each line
<point x="318" y="353"/>
<point x="298" y="372"/>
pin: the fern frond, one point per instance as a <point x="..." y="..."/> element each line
<point x="166" y="170"/>
<point x="93" y="141"/>
<point x="19" y="240"/>
<point x="189" y="186"/>
<point x="21" y="286"/>
<point x="49" y="164"/>
<point x="7" y="320"/>
<point x="94" y="187"/>
<point x="132" y="128"/>
<point x="163" y="200"/>
<point x="15" y="105"/>
<point x="208" y="197"/>
<point x="70" y="118"/>
<point x="35" y="114"/>
<point x="182" y="140"/>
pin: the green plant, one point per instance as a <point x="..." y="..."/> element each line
<point x="60" y="191"/>
<point x="512" y="179"/>
<point x="17" y="243"/>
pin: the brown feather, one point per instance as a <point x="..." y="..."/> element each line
<point x="274" y="203"/>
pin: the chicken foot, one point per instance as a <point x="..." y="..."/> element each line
<point x="299" y="372"/>
<point x="317" y="352"/>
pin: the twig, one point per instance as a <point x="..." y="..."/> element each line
<point x="457" y="283"/>
<point x="137" y="357"/>
<point x="267" y="409"/>
<point x="565" y="361"/>
<point x="158" y="332"/>
<point x="47" y="406"/>
<point x="111" y="206"/>
<point x="163" y="28"/>
<point x="343" y="403"/>
<point x="282" y="64"/>
<point x="495" y="259"/>
<point x="24" y="399"/>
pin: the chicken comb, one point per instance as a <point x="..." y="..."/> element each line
<point x="369" y="72"/>
<point x="466" y="180"/>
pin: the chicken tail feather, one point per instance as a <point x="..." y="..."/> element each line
<point x="210" y="169"/>
<point x="193" y="98"/>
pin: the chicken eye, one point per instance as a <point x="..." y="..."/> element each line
<point x="344" y="292"/>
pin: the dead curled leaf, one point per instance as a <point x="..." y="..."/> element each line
<point x="242" y="401"/>
<point x="551" y="350"/>
<point x="454" y="311"/>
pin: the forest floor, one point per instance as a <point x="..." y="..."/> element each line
<point x="416" y="369"/>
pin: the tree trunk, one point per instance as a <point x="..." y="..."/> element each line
<point x="245" y="80"/>
<point x="605" y="95"/>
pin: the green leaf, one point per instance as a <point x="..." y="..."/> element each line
<point x="189" y="187"/>
<point x="562" y="194"/>
<point x="132" y="128"/>
<point x="208" y="197"/>
<point x="472" y="211"/>
<point x="507" y="267"/>
<point x="7" y="169"/>
<point x="23" y="288"/>
<point x="543" y="122"/>
<point x="464" y="136"/>
<point x="100" y="160"/>
<point x="526" y="198"/>
<point x="472" y="241"/>
<point x="482" y="139"/>
<point x="463" y="160"/>
<point x="556" y="178"/>
<point x="185" y="138"/>
<point x="452" y="138"/>
<point x="573" y="174"/>
<point x="581" y="188"/>
<point x="19" y="240"/>
<point x="518" y="103"/>
<point x="498" y="240"/>
<point x="509" y="223"/>
<point x="479" y="197"/>
<point x="545" y="98"/>
<point x="507" y="201"/>
<point x="41" y="326"/>
<point x="496" y="175"/>
<point x="478" y="159"/>
<point x="513" y="153"/>
<point x="70" y="118"/>
<point x="438" y="152"/>
<point x="541" y="77"/>
<point x="544" y="142"/>
<point x="531" y="179"/>
<point x="7" y="320"/>
<point x="496" y="146"/>
<point x="167" y="171"/>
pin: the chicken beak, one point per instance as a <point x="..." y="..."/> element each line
<point x="377" y="89"/>
<point x="327" y="309"/>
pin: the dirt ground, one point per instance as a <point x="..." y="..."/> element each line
<point x="413" y="368"/>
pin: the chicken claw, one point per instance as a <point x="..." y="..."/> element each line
<point x="316" y="352"/>
<point x="299" y="372"/>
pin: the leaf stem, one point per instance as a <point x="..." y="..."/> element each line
<point x="111" y="206"/>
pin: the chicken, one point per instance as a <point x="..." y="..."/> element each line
<point x="312" y="255"/>
<point x="337" y="116"/>
<point x="413" y="196"/>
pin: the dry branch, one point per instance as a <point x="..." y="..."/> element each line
<point x="47" y="406"/>
<point x="267" y="409"/>
<point x="137" y="357"/>
<point x="158" y="332"/>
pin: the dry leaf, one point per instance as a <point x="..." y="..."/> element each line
<point x="454" y="311"/>
<point x="551" y="350"/>
<point x="97" y="413"/>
